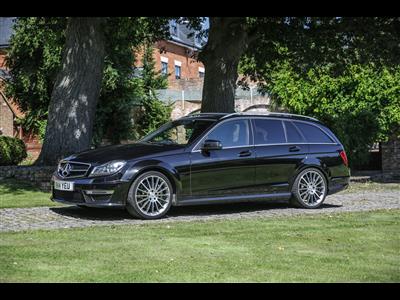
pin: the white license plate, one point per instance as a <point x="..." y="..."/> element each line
<point x="63" y="185"/>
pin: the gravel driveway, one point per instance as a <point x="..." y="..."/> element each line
<point x="19" y="219"/>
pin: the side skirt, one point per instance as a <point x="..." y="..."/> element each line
<point x="232" y="199"/>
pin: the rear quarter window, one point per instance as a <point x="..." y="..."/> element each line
<point x="313" y="134"/>
<point x="268" y="131"/>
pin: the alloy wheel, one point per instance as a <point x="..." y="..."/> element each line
<point x="152" y="195"/>
<point x="311" y="188"/>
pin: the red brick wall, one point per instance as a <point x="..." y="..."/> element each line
<point x="6" y="115"/>
<point x="2" y="58"/>
<point x="6" y="119"/>
<point x="189" y="66"/>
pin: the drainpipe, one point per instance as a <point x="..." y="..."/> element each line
<point x="183" y="99"/>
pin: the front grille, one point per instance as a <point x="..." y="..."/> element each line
<point x="68" y="196"/>
<point x="72" y="169"/>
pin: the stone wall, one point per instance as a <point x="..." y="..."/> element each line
<point x="183" y="108"/>
<point x="39" y="176"/>
<point x="391" y="154"/>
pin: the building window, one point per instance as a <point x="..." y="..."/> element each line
<point x="178" y="65"/>
<point x="164" y="68"/>
<point x="201" y="72"/>
<point x="177" y="72"/>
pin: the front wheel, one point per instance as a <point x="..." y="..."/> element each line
<point x="150" y="196"/>
<point x="309" y="189"/>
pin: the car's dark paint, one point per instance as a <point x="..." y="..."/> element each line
<point x="199" y="177"/>
<point x="125" y="152"/>
<point x="222" y="172"/>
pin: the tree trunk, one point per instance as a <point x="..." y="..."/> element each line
<point x="226" y="44"/>
<point x="76" y="91"/>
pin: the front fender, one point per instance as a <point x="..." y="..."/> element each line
<point x="142" y="166"/>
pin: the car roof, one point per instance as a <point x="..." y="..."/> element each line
<point x="220" y="116"/>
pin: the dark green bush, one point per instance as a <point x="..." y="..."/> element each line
<point x="12" y="151"/>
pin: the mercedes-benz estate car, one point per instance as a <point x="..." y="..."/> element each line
<point x="209" y="158"/>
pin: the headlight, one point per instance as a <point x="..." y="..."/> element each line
<point x="108" y="168"/>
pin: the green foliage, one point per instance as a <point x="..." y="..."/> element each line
<point x="361" y="105"/>
<point x="35" y="121"/>
<point x="12" y="151"/>
<point x="155" y="112"/>
<point x="35" y="59"/>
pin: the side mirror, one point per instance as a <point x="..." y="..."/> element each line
<point x="211" y="145"/>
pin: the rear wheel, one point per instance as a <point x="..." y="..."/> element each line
<point x="309" y="189"/>
<point x="150" y="196"/>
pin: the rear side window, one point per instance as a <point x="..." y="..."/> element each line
<point x="292" y="133"/>
<point x="268" y="131"/>
<point x="313" y="134"/>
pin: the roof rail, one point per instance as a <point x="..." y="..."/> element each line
<point x="270" y="113"/>
<point x="292" y="115"/>
<point x="230" y="114"/>
<point x="216" y="115"/>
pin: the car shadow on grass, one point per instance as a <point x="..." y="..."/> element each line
<point x="118" y="214"/>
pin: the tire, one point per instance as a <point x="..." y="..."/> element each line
<point x="150" y="196"/>
<point x="309" y="189"/>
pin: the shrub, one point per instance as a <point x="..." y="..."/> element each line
<point x="12" y="151"/>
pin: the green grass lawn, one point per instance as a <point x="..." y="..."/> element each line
<point x="350" y="247"/>
<point x="14" y="193"/>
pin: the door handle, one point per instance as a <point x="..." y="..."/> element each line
<point x="294" y="149"/>
<point x="245" y="153"/>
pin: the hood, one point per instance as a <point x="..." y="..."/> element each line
<point x="123" y="152"/>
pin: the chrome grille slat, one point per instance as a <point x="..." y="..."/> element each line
<point x="73" y="170"/>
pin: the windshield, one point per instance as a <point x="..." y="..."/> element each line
<point x="181" y="132"/>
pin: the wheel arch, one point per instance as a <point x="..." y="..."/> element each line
<point x="316" y="164"/>
<point x="159" y="166"/>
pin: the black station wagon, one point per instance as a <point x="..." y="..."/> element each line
<point x="209" y="158"/>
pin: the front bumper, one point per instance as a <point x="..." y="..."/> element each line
<point x="93" y="192"/>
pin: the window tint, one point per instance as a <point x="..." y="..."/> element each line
<point x="269" y="131"/>
<point x="181" y="132"/>
<point x="292" y="134"/>
<point x="312" y="133"/>
<point x="231" y="134"/>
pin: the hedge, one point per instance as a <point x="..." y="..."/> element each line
<point x="12" y="151"/>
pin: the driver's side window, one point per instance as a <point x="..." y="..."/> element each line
<point x="233" y="133"/>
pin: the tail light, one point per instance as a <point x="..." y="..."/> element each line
<point x="344" y="158"/>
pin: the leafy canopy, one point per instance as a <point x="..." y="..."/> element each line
<point x="35" y="59"/>
<point x="362" y="105"/>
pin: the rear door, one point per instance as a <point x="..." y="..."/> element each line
<point x="279" y="148"/>
<point x="322" y="146"/>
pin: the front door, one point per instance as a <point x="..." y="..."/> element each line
<point x="228" y="171"/>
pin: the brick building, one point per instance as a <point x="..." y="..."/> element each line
<point x="177" y="57"/>
<point x="8" y="110"/>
